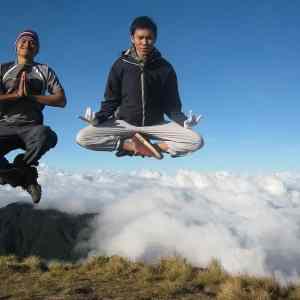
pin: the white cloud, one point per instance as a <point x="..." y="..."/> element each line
<point x="250" y="223"/>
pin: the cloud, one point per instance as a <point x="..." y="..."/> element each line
<point x="250" y="223"/>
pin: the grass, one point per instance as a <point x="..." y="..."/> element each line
<point x="115" y="277"/>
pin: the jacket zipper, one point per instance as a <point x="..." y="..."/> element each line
<point x="141" y="66"/>
<point x="143" y="93"/>
<point x="142" y="85"/>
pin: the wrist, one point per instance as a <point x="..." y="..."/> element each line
<point x="15" y="96"/>
<point x="187" y="125"/>
<point x="19" y="94"/>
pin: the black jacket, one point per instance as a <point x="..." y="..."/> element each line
<point x="141" y="93"/>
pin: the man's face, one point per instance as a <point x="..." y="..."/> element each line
<point x="143" y="40"/>
<point x="27" y="47"/>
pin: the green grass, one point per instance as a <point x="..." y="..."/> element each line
<point x="115" y="277"/>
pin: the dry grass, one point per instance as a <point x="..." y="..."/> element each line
<point x="118" y="278"/>
<point x="251" y="288"/>
<point x="212" y="277"/>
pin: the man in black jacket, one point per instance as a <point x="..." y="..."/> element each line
<point x="23" y="87"/>
<point x="141" y="88"/>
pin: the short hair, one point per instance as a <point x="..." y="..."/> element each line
<point x="143" y="22"/>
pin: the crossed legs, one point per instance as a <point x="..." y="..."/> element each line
<point x="170" y="137"/>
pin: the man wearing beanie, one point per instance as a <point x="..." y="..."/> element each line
<point x="25" y="88"/>
<point x="140" y="90"/>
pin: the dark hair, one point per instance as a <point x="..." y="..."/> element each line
<point x="142" y="23"/>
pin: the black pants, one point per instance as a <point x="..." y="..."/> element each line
<point x="36" y="140"/>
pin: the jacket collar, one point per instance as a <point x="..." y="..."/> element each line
<point x="131" y="56"/>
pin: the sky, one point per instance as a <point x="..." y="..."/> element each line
<point x="235" y="219"/>
<point x="237" y="62"/>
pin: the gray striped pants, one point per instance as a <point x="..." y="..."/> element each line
<point x="106" y="136"/>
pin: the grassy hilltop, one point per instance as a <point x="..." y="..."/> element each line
<point x="107" y="278"/>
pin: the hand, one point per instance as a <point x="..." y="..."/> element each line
<point x="25" y="84"/>
<point x="22" y="89"/>
<point x="89" y="116"/>
<point x="192" y="120"/>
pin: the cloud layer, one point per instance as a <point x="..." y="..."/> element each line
<point x="250" y="223"/>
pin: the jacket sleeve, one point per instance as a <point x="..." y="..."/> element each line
<point x="1" y="84"/>
<point x="172" y="102"/>
<point x="112" y="95"/>
<point x="53" y="84"/>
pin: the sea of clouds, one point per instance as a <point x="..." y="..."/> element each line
<point x="250" y="223"/>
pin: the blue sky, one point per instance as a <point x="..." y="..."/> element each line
<point x="238" y="64"/>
